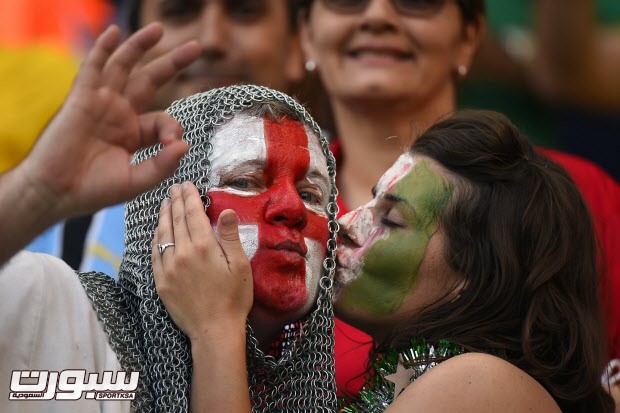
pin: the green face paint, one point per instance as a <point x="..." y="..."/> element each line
<point x="389" y="258"/>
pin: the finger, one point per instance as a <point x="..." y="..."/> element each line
<point x="121" y="63"/>
<point x="96" y="58"/>
<point x="179" y="223"/>
<point x="156" y="259"/>
<point x="151" y="172"/>
<point x="228" y="235"/>
<point x="198" y="223"/>
<point x="145" y="81"/>
<point x="163" y="234"/>
<point x="156" y="127"/>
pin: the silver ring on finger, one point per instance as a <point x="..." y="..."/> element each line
<point x="162" y="247"/>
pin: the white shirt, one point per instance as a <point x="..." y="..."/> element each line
<point x="47" y="323"/>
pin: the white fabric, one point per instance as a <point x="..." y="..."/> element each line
<point x="47" y="323"/>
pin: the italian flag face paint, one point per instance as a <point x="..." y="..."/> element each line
<point x="274" y="175"/>
<point x="376" y="277"/>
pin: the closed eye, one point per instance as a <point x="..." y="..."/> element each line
<point x="391" y="224"/>
<point x="390" y="215"/>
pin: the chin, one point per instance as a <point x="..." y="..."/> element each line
<point x="375" y="92"/>
<point x="267" y="323"/>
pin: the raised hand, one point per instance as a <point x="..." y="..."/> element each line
<point x="204" y="280"/>
<point x="81" y="162"/>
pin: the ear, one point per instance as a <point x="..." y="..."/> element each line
<point x="472" y="36"/>
<point x="294" y="64"/>
<point x="307" y="44"/>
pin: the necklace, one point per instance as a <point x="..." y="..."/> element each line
<point x="394" y="370"/>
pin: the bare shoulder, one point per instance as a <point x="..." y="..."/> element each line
<point x="475" y="382"/>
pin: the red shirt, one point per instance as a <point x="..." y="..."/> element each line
<point x="602" y="194"/>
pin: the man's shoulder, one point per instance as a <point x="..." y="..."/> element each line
<point x="28" y="272"/>
<point x="47" y="315"/>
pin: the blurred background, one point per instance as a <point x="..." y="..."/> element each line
<point x="554" y="70"/>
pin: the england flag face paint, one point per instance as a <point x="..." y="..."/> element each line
<point x="274" y="175"/>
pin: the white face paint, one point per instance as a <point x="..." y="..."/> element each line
<point x="361" y="226"/>
<point x="256" y="168"/>
<point x="318" y="173"/>
<point x="238" y="146"/>
<point x="248" y="235"/>
<point x="314" y="266"/>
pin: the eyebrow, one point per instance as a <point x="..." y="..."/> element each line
<point x="318" y="175"/>
<point x="252" y="164"/>
<point x="397" y="199"/>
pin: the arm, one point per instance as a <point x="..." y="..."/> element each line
<point x="210" y="307"/>
<point x="80" y="162"/>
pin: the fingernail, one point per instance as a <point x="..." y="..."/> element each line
<point x="229" y="219"/>
<point x="174" y="189"/>
<point x="165" y="202"/>
<point x="187" y="185"/>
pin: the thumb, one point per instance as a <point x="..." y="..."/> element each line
<point x="228" y="234"/>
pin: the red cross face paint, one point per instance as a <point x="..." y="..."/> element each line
<point x="274" y="175"/>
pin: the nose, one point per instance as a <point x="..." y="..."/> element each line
<point x="214" y="30"/>
<point x="379" y="16"/>
<point x="353" y="226"/>
<point x="286" y="208"/>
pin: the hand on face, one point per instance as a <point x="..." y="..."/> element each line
<point x="276" y="180"/>
<point x="81" y="161"/>
<point x="204" y="279"/>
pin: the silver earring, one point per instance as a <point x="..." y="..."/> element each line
<point x="462" y="70"/>
<point x="310" y="65"/>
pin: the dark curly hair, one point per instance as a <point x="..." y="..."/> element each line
<point x="519" y="233"/>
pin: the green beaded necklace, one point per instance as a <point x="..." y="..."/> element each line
<point x="394" y="370"/>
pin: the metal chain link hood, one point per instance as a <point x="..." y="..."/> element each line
<point x="139" y="328"/>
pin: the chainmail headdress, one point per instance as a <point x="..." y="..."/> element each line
<point x="139" y="328"/>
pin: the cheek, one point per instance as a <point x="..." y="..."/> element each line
<point x="438" y="45"/>
<point x="247" y="208"/>
<point x="317" y="230"/>
<point x="254" y="47"/>
<point x="388" y="273"/>
<point x="329" y="35"/>
<point x="173" y="37"/>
